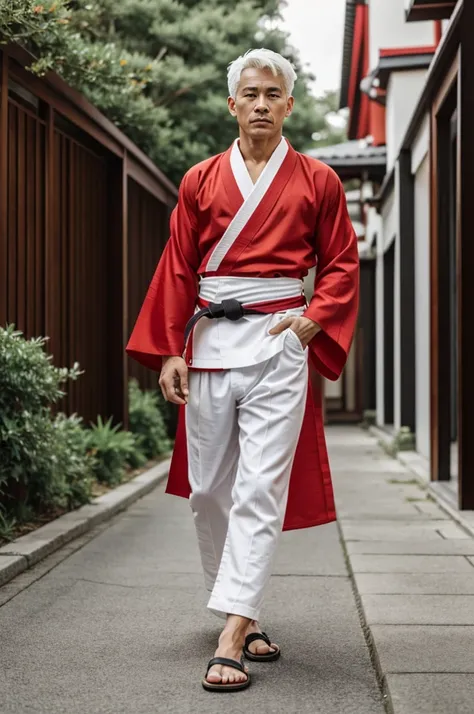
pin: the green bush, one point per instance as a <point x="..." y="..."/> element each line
<point x="43" y="461"/>
<point x="113" y="450"/>
<point x="147" y="421"/>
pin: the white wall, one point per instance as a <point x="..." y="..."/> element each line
<point x="388" y="29"/>
<point x="397" y="356"/>
<point x="403" y="91"/>
<point x="389" y="212"/>
<point x="389" y="233"/>
<point x="421" y="170"/>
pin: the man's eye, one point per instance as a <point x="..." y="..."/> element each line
<point x="250" y="95"/>
<point x="274" y="95"/>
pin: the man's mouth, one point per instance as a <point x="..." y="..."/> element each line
<point x="261" y="121"/>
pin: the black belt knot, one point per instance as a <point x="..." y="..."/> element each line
<point x="230" y="309"/>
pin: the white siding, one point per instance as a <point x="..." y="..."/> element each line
<point x="422" y="306"/>
<point x="403" y="91"/>
<point x="397" y="357"/>
<point x="389" y="213"/>
<point x="389" y="233"/>
<point x="388" y="29"/>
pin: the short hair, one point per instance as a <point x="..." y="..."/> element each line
<point x="261" y="59"/>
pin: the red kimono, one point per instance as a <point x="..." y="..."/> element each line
<point x="301" y="221"/>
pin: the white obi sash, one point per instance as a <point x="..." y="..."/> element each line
<point x="222" y="344"/>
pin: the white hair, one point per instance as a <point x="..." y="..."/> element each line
<point x="261" y="59"/>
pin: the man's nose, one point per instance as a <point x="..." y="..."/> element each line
<point x="262" y="104"/>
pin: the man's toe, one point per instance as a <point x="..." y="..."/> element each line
<point x="214" y="676"/>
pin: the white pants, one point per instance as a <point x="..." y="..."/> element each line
<point x="242" y="430"/>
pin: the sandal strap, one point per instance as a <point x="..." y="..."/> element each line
<point x="257" y="636"/>
<point x="226" y="663"/>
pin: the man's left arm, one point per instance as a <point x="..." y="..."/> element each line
<point x="334" y="306"/>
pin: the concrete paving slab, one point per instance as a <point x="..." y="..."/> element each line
<point x="314" y="544"/>
<point x="419" y="609"/>
<point x="452" y="530"/>
<point x="389" y="531"/>
<point x="417" y="648"/>
<point x="410" y="564"/>
<point x="414" y="583"/>
<point x="429" y="508"/>
<point x="431" y="693"/>
<point x="355" y="516"/>
<point x="415" y="547"/>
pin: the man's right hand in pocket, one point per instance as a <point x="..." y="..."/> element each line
<point x="174" y="380"/>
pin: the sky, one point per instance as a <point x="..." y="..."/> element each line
<point x="316" y="29"/>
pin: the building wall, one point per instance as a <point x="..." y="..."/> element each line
<point x="421" y="171"/>
<point x="388" y="29"/>
<point x="403" y="91"/>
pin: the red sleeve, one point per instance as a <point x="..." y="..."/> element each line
<point x="171" y="296"/>
<point x="335" y="301"/>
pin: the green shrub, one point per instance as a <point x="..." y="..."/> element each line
<point x="113" y="450"/>
<point x="43" y="462"/>
<point x="146" y="420"/>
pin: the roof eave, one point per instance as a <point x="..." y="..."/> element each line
<point x="425" y="10"/>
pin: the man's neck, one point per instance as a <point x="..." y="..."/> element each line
<point x="257" y="152"/>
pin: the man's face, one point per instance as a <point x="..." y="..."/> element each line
<point x="261" y="104"/>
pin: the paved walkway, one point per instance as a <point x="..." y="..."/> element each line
<point x="414" y="572"/>
<point x="116" y="622"/>
<point x="121" y="626"/>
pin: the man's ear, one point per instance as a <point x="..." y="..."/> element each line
<point x="289" y="106"/>
<point x="231" y="105"/>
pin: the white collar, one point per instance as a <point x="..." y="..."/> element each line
<point x="240" y="171"/>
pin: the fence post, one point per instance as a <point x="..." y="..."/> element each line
<point x="3" y="184"/>
<point x="118" y="291"/>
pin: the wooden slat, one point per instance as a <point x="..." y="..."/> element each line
<point x="4" y="183"/>
<point x="40" y="174"/>
<point x="51" y="258"/>
<point x="12" y="314"/>
<point x="30" y="210"/>
<point x="63" y="191"/>
<point x="21" y="232"/>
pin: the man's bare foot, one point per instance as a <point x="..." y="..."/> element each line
<point x="230" y="645"/>
<point x="259" y="647"/>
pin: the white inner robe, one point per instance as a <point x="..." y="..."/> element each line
<point x="222" y="344"/>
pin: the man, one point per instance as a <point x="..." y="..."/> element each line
<point x="226" y="323"/>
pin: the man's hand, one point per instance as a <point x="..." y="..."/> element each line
<point x="174" y="380"/>
<point x="303" y="327"/>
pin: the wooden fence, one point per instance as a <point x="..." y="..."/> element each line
<point x="83" y="220"/>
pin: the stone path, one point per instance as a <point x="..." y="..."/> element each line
<point x="116" y="622"/>
<point x="120" y="625"/>
<point x="414" y="573"/>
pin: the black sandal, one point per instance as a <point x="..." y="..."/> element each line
<point x="231" y="686"/>
<point x="269" y="657"/>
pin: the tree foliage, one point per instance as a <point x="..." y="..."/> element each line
<point x="157" y="68"/>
